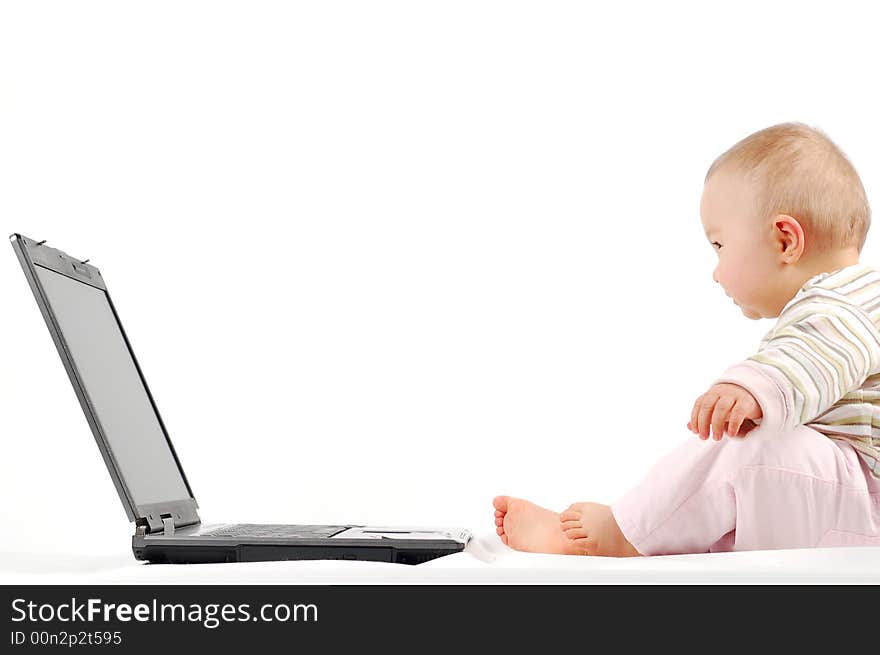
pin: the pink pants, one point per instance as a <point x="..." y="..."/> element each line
<point x="797" y="489"/>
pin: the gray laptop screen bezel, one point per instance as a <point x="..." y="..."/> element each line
<point x="32" y="254"/>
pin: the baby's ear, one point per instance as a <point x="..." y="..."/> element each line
<point x="790" y="237"/>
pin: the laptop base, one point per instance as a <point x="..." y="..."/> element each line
<point x="217" y="554"/>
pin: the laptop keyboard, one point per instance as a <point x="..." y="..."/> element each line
<point x="277" y="531"/>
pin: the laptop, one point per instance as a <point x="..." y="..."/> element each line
<point x="140" y="457"/>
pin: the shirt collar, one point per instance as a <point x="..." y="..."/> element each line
<point x="816" y="279"/>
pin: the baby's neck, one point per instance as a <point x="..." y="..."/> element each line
<point x="796" y="275"/>
<point x="805" y="270"/>
<point x="831" y="262"/>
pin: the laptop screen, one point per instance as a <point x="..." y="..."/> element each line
<point x="115" y="389"/>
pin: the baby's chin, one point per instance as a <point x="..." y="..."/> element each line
<point x="750" y="313"/>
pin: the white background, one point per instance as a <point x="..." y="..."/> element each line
<point x="380" y="262"/>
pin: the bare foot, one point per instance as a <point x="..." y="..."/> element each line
<point x="525" y="526"/>
<point x="592" y="530"/>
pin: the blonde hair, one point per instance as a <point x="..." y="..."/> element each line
<point x="801" y="172"/>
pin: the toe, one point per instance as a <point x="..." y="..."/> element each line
<point x="576" y="533"/>
<point x="499" y="530"/>
<point x="571" y="525"/>
<point x="504" y="539"/>
<point x="499" y="521"/>
<point x="570" y="515"/>
<point x="583" y="546"/>
<point x="501" y="502"/>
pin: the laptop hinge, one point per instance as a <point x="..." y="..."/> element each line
<point x="167" y="527"/>
<point x="167" y="517"/>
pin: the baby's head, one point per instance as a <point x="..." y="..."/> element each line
<point x="779" y="207"/>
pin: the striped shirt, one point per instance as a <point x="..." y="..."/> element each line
<point x="820" y="364"/>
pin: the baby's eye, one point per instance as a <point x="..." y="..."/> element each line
<point x="715" y="243"/>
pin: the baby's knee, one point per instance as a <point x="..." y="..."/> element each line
<point x="757" y="448"/>
<point x="800" y="448"/>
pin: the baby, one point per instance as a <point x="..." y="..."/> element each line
<point x="787" y="215"/>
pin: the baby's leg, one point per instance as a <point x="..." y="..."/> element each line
<point x="761" y="491"/>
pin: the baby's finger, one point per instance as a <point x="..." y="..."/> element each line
<point x="719" y="418"/>
<point x="735" y="420"/>
<point x="695" y="412"/>
<point x="703" y="416"/>
<point x="693" y="423"/>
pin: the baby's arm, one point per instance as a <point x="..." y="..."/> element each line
<point x="817" y="355"/>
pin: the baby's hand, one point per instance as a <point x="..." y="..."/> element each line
<point x="724" y="403"/>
